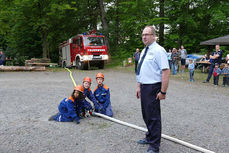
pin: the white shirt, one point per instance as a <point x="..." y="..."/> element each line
<point x="155" y="61"/>
<point x="228" y="58"/>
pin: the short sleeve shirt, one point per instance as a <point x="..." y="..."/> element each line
<point x="183" y="53"/>
<point x="155" y="61"/>
<point x="219" y="59"/>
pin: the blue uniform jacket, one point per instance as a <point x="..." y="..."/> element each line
<point x="88" y="93"/>
<point x="67" y="110"/>
<point x="102" y="94"/>
<point x="225" y="72"/>
<point x="216" y="71"/>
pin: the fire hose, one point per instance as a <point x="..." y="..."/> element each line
<point x="162" y="135"/>
<point x="144" y="129"/>
<point x="70" y="73"/>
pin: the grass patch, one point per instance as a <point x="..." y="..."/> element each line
<point x="198" y="76"/>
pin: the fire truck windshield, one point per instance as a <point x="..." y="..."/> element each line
<point x="93" y="41"/>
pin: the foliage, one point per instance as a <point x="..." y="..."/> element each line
<point x="34" y="28"/>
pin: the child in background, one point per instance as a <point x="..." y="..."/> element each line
<point x="191" y="68"/>
<point x="216" y="73"/>
<point x="88" y="93"/>
<point x="69" y="108"/>
<point x="225" y="73"/>
<point x="102" y="94"/>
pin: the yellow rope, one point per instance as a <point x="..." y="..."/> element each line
<point x="71" y="76"/>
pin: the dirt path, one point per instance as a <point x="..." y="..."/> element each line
<point x="193" y="112"/>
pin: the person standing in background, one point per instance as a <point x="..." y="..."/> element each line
<point x="169" y="58"/>
<point x="183" y="58"/>
<point x="178" y="60"/>
<point x="216" y="73"/>
<point x="191" y="68"/>
<point x="174" y="58"/>
<point x="2" y="58"/>
<point x="136" y="58"/>
<point x="215" y="57"/>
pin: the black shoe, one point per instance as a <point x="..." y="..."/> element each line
<point x="206" y="81"/>
<point x="51" y="118"/>
<point x="143" y="141"/>
<point x="151" y="151"/>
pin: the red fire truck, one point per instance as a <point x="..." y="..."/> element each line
<point x="83" y="51"/>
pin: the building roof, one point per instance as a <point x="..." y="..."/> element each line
<point x="217" y="41"/>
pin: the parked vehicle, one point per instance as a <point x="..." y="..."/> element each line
<point x="83" y="51"/>
<point x="194" y="57"/>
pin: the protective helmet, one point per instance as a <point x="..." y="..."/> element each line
<point x="99" y="75"/>
<point x="79" y="88"/>
<point x="88" y="79"/>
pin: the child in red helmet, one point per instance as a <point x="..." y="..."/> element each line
<point x="69" y="109"/>
<point x="87" y="92"/>
<point x="102" y="94"/>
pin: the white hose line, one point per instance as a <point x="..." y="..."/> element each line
<point x="162" y="135"/>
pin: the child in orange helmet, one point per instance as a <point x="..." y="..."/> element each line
<point x="69" y="109"/>
<point x="102" y="94"/>
<point x="87" y="92"/>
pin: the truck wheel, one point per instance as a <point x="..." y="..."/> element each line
<point x="101" y="65"/>
<point x="81" y="65"/>
<point x="84" y="66"/>
<point x="78" y="63"/>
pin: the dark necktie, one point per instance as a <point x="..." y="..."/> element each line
<point x="142" y="59"/>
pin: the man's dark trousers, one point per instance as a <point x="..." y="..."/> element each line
<point x="212" y="66"/>
<point x="151" y="113"/>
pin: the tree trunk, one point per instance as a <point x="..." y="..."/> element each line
<point x="44" y="44"/>
<point x="116" y="26"/>
<point x="161" y="25"/>
<point x="104" y="23"/>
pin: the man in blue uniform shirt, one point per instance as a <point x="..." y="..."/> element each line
<point x="215" y="57"/>
<point x="153" y="79"/>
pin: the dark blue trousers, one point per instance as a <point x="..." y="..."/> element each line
<point x="151" y="113"/>
<point x="212" y="66"/>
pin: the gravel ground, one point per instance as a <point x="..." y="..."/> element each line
<point x="193" y="112"/>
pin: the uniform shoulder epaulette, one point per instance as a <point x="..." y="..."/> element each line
<point x="105" y="87"/>
<point x="96" y="88"/>
<point x="71" y="98"/>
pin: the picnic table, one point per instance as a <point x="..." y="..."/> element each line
<point x="204" y="65"/>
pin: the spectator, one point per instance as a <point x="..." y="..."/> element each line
<point x="216" y="73"/>
<point x="169" y="58"/>
<point x="191" y="67"/>
<point x="136" y="58"/>
<point x="2" y="58"/>
<point x="227" y="58"/>
<point x="205" y="58"/>
<point x="183" y="58"/>
<point x="215" y="57"/>
<point x="225" y="73"/>
<point x="179" y="60"/>
<point x="174" y="58"/>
